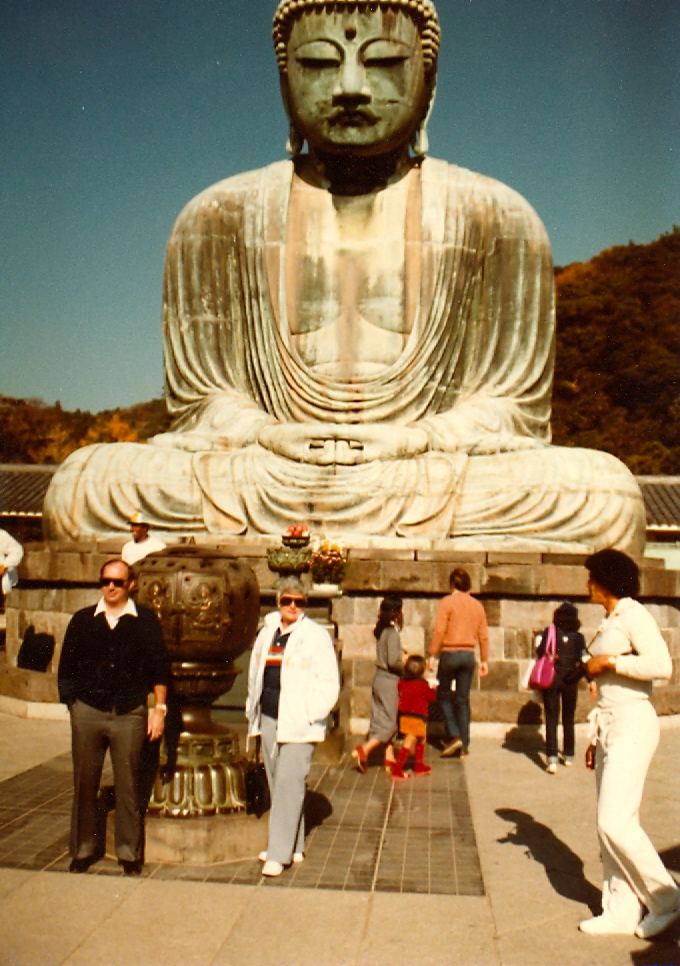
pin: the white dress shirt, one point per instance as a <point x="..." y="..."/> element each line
<point x="132" y="552"/>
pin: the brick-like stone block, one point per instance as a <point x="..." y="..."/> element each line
<point x="502" y="676"/>
<point x="52" y="623"/>
<point x="357" y="641"/>
<point x="565" y="559"/>
<point x="380" y="553"/>
<point x="112" y="546"/>
<point x="366" y="609"/>
<point x="265" y="578"/>
<point x="672" y="638"/>
<point x="363" y="673"/>
<point x="660" y="583"/>
<point x="413" y="639"/>
<point x="75" y="598"/>
<point x="568" y="581"/>
<point x="492" y="609"/>
<point x="421" y="612"/>
<point x="360" y="702"/>
<point x="28" y="685"/>
<point x="512" y="579"/>
<point x="507" y="557"/>
<point x="519" y="643"/>
<point x="666" y="615"/>
<point x="342" y="610"/>
<point x="496" y="643"/>
<point x="35" y="565"/>
<point x="454" y="558"/>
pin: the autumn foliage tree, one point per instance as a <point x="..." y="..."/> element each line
<point x="617" y="385"/>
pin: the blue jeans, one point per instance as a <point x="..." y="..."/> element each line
<point x="458" y="666"/>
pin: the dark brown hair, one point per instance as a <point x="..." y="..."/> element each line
<point x="615" y="572"/>
<point x="390" y="610"/>
<point x="460" y="579"/>
<point x="415" y="666"/>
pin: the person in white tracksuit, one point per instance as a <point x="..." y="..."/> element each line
<point x="628" y="654"/>
<point x="11" y="555"/>
<point x="293" y="685"/>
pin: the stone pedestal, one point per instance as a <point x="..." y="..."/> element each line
<point x="199" y="841"/>
<point x="518" y="590"/>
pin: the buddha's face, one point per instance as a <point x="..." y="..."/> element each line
<point x="356" y="80"/>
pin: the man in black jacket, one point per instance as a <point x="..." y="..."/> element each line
<point x="113" y="655"/>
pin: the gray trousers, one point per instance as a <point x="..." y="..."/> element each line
<point x="287" y="766"/>
<point x="92" y="732"/>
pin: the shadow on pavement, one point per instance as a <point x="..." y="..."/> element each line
<point x="526" y="739"/>
<point x="317" y="810"/>
<point x="664" y="951"/>
<point x="563" y="867"/>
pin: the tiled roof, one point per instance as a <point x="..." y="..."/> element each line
<point x="23" y="488"/>
<point x="662" y="501"/>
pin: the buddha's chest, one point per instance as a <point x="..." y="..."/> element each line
<point x="349" y="279"/>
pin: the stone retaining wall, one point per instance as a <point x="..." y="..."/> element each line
<point x="518" y="591"/>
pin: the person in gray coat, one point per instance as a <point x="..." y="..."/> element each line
<point x="388" y="671"/>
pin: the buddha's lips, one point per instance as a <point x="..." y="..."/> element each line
<point x="356" y="118"/>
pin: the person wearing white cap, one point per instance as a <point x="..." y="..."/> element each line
<point x="142" y="544"/>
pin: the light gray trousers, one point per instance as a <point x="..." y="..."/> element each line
<point x="287" y="766"/>
<point x="92" y="732"/>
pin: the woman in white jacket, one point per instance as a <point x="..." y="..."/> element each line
<point x="293" y="685"/>
<point x="628" y="654"/>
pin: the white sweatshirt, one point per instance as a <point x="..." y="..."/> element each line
<point x="630" y="632"/>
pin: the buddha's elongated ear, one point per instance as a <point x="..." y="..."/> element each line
<point x="295" y="142"/>
<point x="420" y="144"/>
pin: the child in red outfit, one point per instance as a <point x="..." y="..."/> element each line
<point x="415" y="697"/>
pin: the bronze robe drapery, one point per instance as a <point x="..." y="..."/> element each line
<point x="475" y="374"/>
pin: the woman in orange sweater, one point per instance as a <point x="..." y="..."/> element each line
<point x="460" y="626"/>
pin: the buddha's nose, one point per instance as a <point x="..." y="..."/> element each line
<point x="351" y="83"/>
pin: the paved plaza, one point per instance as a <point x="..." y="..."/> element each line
<point x="489" y="860"/>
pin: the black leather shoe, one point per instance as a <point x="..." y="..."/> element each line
<point x="81" y="865"/>
<point x="131" y="868"/>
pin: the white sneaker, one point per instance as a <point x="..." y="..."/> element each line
<point x="297" y="857"/>
<point x="653" y="925"/>
<point x="551" y="767"/>
<point x="568" y="761"/>
<point x="601" y="926"/>
<point x="272" y="869"/>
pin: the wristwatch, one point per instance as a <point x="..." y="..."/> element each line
<point x="611" y="662"/>
<point x="161" y="707"/>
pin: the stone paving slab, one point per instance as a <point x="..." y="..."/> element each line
<point x="537" y="853"/>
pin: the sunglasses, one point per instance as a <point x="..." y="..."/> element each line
<point x="116" y="581"/>
<point x="290" y="601"/>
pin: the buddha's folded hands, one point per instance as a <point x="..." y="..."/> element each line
<point x="324" y="444"/>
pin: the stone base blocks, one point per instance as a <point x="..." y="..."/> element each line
<point x="518" y="590"/>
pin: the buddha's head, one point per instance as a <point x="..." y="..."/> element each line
<point x="357" y="78"/>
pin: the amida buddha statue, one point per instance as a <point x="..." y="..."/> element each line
<point x="360" y="337"/>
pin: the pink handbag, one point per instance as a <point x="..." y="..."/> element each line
<point x="543" y="673"/>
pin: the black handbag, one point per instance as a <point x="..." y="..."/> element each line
<point x="258" y="799"/>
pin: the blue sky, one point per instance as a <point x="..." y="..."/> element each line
<point x="114" y="114"/>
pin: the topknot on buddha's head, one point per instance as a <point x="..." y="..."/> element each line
<point x="422" y="11"/>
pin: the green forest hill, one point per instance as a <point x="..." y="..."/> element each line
<point x="617" y="381"/>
